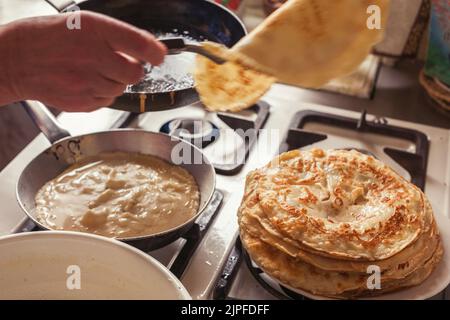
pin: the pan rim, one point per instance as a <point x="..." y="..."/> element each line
<point x="126" y="130"/>
<point x="211" y="2"/>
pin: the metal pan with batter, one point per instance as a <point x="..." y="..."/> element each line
<point x="67" y="150"/>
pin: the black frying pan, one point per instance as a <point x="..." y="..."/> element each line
<point x="201" y="19"/>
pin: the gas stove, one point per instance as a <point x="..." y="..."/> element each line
<point x="225" y="138"/>
<point x="209" y="259"/>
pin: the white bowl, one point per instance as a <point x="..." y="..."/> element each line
<point x="52" y="264"/>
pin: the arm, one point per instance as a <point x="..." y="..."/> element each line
<point x="7" y="94"/>
<point x="73" y="70"/>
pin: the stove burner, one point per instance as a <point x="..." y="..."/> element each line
<point x="202" y="133"/>
<point x="199" y="132"/>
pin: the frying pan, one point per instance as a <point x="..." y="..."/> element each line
<point x="199" y="19"/>
<point x="66" y="149"/>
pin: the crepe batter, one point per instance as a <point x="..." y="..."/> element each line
<point x="118" y="195"/>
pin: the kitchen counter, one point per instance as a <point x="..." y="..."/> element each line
<point x="398" y="95"/>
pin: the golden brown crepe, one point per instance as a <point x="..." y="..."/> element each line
<point x="309" y="42"/>
<point x="340" y="285"/>
<point x="230" y="86"/>
<point x="304" y="43"/>
<point x="311" y="216"/>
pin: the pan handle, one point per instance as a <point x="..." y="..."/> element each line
<point x="61" y="5"/>
<point x="45" y="120"/>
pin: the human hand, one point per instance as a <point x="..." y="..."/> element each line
<point x="74" y="70"/>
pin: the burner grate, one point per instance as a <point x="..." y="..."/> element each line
<point x="196" y="234"/>
<point x="248" y="130"/>
<point x="226" y="280"/>
<point x="203" y="133"/>
<point x="199" y="132"/>
<point x="414" y="163"/>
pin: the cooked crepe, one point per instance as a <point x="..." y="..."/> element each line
<point x="343" y="204"/>
<point x="230" y="86"/>
<point x="309" y="216"/>
<point x="342" y="285"/>
<point x="308" y="43"/>
<point x="393" y="268"/>
<point x="304" y="43"/>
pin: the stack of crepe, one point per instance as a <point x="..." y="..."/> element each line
<point x="325" y="221"/>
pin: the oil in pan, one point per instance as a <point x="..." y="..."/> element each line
<point x="175" y="73"/>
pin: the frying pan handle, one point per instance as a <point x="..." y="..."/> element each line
<point x="174" y="45"/>
<point x="61" y="5"/>
<point x="45" y="120"/>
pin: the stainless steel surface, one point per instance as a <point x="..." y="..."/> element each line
<point x="52" y="161"/>
<point x="11" y="10"/>
<point x="45" y="121"/>
<point x="285" y="102"/>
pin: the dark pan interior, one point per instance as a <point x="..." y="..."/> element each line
<point x="203" y="19"/>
